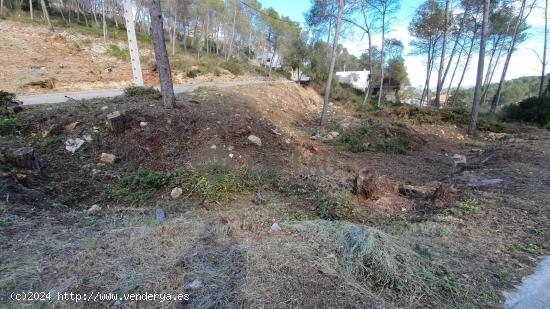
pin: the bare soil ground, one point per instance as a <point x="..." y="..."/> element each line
<point x="396" y="249"/>
<point x="35" y="60"/>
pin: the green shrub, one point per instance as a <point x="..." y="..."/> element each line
<point x="353" y="140"/>
<point x="337" y="205"/>
<point x="119" y="53"/>
<point x="137" y="91"/>
<point x="8" y="126"/>
<point x="210" y="180"/>
<point x="534" y="110"/>
<point x="471" y="206"/>
<point x="193" y="73"/>
<point x="233" y="66"/>
<point x="394" y="145"/>
<point x="7" y="99"/>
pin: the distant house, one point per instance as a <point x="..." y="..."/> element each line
<point x="300" y="77"/>
<point x="356" y="79"/>
<point x="266" y="58"/>
<point x="390" y="89"/>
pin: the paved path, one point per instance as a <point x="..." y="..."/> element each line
<point x="534" y="291"/>
<point x="53" y="98"/>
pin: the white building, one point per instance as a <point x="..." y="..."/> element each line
<point x="265" y="60"/>
<point x="356" y="79"/>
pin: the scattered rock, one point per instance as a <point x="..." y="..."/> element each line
<point x="288" y="141"/>
<point x="485" y="183"/>
<point x="94" y="209"/>
<point x="255" y="140"/>
<point x="213" y="147"/>
<point x="143" y="124"/>
<point x="275" y="227"/>
<point x="71" y="126"/>
<point x="88" y="138"/>
<point x="459" y="160"/>
<point x="334" y="134"/>
<point x="23" y="157"/>
<point x="231" y="155"/>
<point x="107" y="158"/>
<point x="73" y="144"/>
<point x="21" y="176"/>
<point x="104" y="107"/>
<point x="259" y="199"/>
<point x="194" y="285"/>
<point x="176" y="193"/>
<point x="159" y="214"/>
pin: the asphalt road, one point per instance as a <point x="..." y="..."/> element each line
<point x="61" y="97"/>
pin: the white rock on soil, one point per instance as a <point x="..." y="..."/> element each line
<point x="255" y="140"/>
<point x="94" y="209"/>
<point x="275" y="227"/>
<point x="176" y="192"/>
<point x="73" y="144"/>
<point x="459" y="159"/>
<point x="107" y="158"/>
<point x="143" y="124"/>
<point x="194" y="285"/>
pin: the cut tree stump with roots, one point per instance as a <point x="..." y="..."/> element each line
<point x="23" y="157"/>
<point x="117" y="122"/>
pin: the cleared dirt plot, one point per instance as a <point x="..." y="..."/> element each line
<point x="394" y="208"/>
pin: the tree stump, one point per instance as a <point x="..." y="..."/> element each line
<point x="24" y="157"/>
<point x="117" y="122"/>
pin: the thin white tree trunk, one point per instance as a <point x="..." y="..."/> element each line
<point x="30" y="9"/>
<point x="232" y="32"/>
<point x="46" y="15"/>
<point x="174" y="33"/>
<point x="381" y="91"/>
<point x="332" y="62"/>
<point x="105" y="33"/>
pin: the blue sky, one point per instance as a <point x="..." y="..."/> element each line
<point x="524" y="62"/>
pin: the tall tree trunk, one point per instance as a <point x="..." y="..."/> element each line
<point x="442" y="62"/>
<point x="206" y="33"/>
<point x="428" y="65"/>
<point x="174" y="33"/>
<point x="458" y="37"/>
<point x="30" y="9"/>
<point x="95" y="17"/>
<point x="480" y="67"/>
<point x="161" y="55"/>
<point x="332" y="62"/>
<point x="369" y="37"/>
<point x="453" y="75"/>
<point x="105" y="33"/>
<point x="496" y="98"/>
<point x="46" y="14"/>
<point x="468" y="57"/>
<point x="381" y="91"/>
<point x="229" y="53"/>
<point x="1" y="6"/>
<point x="541" y="86"/>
